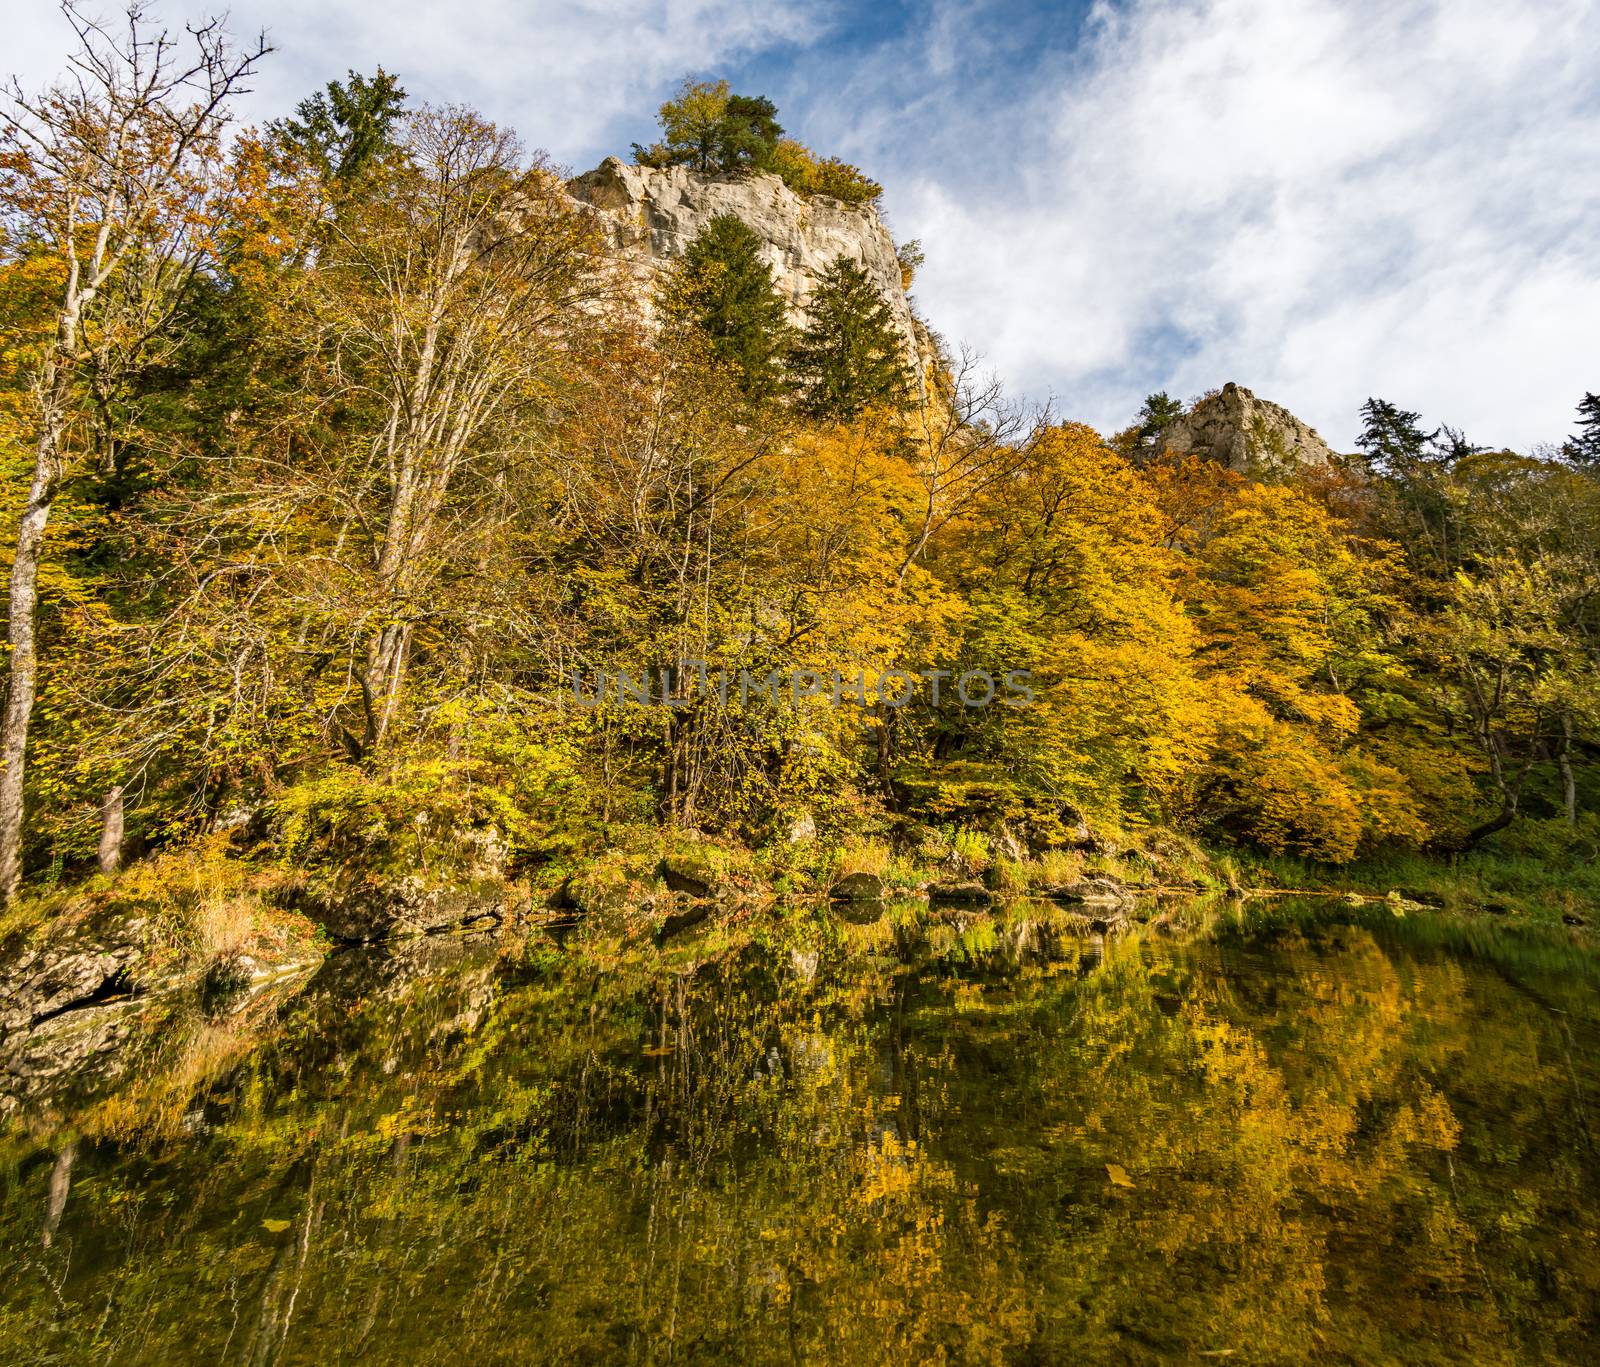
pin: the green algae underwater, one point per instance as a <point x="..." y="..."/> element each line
<point x="1299" y="1132"/>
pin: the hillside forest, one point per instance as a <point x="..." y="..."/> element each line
<point x="342" y="460"/>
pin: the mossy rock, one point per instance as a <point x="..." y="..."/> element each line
<point x="857" y="887"/>
<point x="968" y="892"/>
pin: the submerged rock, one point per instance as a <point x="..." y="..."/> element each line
<point x="691" y="877"/>
<point x="1091" y="891"/>
<point x="360" y="912"/>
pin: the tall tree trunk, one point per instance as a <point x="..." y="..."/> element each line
<point x="22" y="683"/>
<point x="1569" y="781"/>
<point x="110" y="851"/>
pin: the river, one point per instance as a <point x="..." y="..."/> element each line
<point x="1281" y="1133"/>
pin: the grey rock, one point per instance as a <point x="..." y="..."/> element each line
<point x="57" y="971"/>
<point x="1247" y="434"/>
<point x="1091" y="891"/>
<point x="363" y="912"/>
<point x="857" y="887"/>
<point x="649" y="215"/>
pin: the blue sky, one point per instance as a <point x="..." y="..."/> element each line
<point x="1319" y="199"/>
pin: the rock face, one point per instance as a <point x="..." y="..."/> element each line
<point x="361" y="912"/>
<point x="1247" y="434"/>
<point x="650" y="215"/>
<point x="95" y="959"/>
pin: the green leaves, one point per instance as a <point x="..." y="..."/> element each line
<point x="850" y="356"/>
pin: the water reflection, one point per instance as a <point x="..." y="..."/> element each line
<point x="815" y="1137"/>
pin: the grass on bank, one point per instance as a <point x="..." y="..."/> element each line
<point x="1535" y="887"/>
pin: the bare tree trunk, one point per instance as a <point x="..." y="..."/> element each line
<point x="22" y="683"/>
<point x="1569" y="782"/>
<point x="111" y="831"/>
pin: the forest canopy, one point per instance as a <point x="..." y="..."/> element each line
<point x="361" y="446"/>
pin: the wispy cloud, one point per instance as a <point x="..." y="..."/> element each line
<point x="579" y="78"/>
<point x="1322" y="199"/>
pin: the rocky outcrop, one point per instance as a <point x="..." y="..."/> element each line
<point x="84" y="1000"/>
<point x="362" y="911"/>
<point x="93" y="960"/>
<point x="1247" y="434"/>
<point x="651" y="214"/>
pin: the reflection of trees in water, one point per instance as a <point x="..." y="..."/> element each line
<point x="818" y="1140"/>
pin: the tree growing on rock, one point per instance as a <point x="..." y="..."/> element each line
<point x="710" y="129"/>
<point x="850" y="356"/>
<point x="1159" y="412"/>
<point x="724" y="289"/>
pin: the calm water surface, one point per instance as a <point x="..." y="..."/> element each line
<point x="810" y="1137"/>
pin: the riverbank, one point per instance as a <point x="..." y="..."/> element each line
<point x="221" y="926"/>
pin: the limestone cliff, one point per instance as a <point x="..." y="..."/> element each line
<point x="650" y="215"/>
<point x="1247" y="434"/>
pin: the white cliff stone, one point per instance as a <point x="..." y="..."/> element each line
<point x="651" y="214"/>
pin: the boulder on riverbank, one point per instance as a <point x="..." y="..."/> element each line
<point x="966" y="893"/>
<point x="857" y="887"/>
<point x="1088" y="891"/>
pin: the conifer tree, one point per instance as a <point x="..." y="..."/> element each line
<point x="1160" y="411"/>
<point x="850" y="357"/>
<point x="1584" y="447"/>
<point x="1392" y="437"/>
<point x="349" y="126"/>
<point x="725" y="289"/>
<point x="747" y="134"/>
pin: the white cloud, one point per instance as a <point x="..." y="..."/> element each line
<point x="1327" y="200"/>
<point x="1321" y="199"/>
<point x="572" y="76"/>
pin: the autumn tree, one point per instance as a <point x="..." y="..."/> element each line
<point x="116" y="175"/>
<point x="964" y="433"/>
<point x="850" y="355"/>
<point x="707" y="128"/>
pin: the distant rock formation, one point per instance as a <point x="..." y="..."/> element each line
<point x="651" y="214"/>
<point x="1247" y="434"/>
